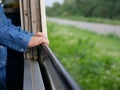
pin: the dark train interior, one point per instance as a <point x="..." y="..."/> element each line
<point x="15" y="60"/>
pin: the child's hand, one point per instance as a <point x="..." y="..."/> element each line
<point x="37" y="39"/>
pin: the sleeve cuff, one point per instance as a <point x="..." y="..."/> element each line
<point x="23" y="42"/>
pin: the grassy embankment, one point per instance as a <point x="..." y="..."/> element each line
<point x="93" y="60"/>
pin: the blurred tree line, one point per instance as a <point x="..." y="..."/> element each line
<point x="89" y="8"/>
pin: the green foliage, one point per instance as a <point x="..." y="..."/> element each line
<point x="54" y="10"/>
<point x="92" y="60"/>
<point x="88" y="8"/>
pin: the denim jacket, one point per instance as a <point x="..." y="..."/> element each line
<point x="12" y="37"/>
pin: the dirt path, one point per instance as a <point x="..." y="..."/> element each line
<point x="99" y="28"/>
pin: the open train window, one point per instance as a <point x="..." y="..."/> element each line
<point x="38" y="69"/>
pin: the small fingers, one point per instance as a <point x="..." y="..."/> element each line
<point x="39" y="34"/>
<point x="45" y="41"/>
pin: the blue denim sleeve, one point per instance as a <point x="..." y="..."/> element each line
<point x="14" y="39"/>
<point x="18" y="28"/>
<point x="11" y="36"/>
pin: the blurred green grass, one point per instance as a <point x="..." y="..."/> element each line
<point x="93" y="60"/>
